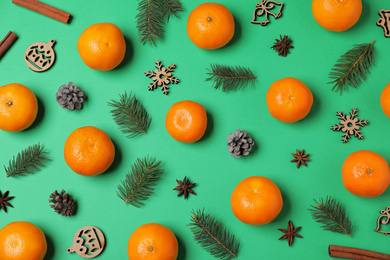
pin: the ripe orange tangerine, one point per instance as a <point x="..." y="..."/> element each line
<point x="385" y="100"/>
<point x="256" y="201"/>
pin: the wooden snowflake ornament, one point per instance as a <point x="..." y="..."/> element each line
<point x="349" y="125"/>
<point x="162" y="77"/>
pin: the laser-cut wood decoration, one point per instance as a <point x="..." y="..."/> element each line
<point x="88" y="242"/>
<point x="384" y="21"/>
<point x="383" y="219"/>
<point x="40" y="56"/>
<point x="265" y="8"/>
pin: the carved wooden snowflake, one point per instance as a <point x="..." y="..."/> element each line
<point x="349" y="125"/>
<point x="162" y="77"/>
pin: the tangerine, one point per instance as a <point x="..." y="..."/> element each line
<point x="256" y="201"/>
<point x="18" y="107"/>
<point x="21" y="241"/>
<point x="152" y="242"/>
<point x="186" y="121"/>
<point x="89" y="151"/>
<point x="210" y="26"/>
<point x="102" y="46"/>
<point x="385" y="100"/>
<point x="336" y="15"/>
<point x="289" y="100"/>
<point x="365" y="174"/>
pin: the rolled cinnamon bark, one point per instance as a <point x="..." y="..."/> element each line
<point x="7" y="42"/>
<point x="355" y="253"/>
<point x="44" y="9"/>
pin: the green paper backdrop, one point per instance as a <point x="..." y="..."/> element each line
<point x="206" y="162"/>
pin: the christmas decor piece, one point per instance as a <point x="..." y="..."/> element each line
<point x="70" y="97"/>
<point x="230" y="78"/>
<point x="130" y="115"/>
<point x="63" y="203"/>
<point x="185" y="187"/>
<point x="4" y="201"/>
<point x="384" y="21"/>
<point x="7" y="42"/>
<point x="282" y="46"/>
<point x="212" y="236"/>
<point x="88" y="242"/>
<point x="138" y="183"/>
<point x="300" y="158"/>
<point x="349" y="125"/>
<point x="44" y="9"/>
<point x="290" y="233"/>
<point x="40" y="56"/>
<point x="151" y="17"/>
<point x="353" y="67"/>
<point x="332" y="215"/>
<point x="355" y="253"/>
<point x="265" y="8"/>
<point x="162" y="77"/>
<point x="28" y="161"/>
<point x="240" y="143"/>
<point x="383" y="219"/>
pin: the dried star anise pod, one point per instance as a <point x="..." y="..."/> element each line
<point x="290" y="233"/>
<point x="282" y="46"/>
<point x="4" y="201"/>
<point x="185" y="187"/>
<point x="300" y="158"/>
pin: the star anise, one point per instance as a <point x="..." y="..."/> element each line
<point x="185" y="187"/>
<point x="4" y="201"/>
<point x="290" y="233"/>
<point x="300" y="158"/>
<point x="282" y="46"/>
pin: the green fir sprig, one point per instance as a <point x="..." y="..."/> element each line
<point x="352" y="68"/>
<point x="212" y="236"/>
<point x="151" y="16"/>
<point x="137" y="186"/>
<point x="130" y="115"/>
<point x="332" y="215"/>
<point x="27" y="161"/>
<point x="230" y="78"/>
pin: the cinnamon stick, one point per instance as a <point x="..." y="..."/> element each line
<point x="355" y="253"/>
<point x="7" y="42"/>
<point x="44" y="9"/>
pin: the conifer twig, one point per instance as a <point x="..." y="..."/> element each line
<point x="170" y="8"/>
<point x="28" y="161"/>
<point x="149" y="21"/>
<point x="137" y="186"/>
<point x="352" y="68"/>
<point x="130" y="115"/>
<point x="230" y="78"/>
<point x="212" y="236"/>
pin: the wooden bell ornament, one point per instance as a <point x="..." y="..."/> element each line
<point x="88" y="242"/>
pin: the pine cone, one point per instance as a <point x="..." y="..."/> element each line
<point x="239" y="143"/>
<point x="70" y="97"/>
<point x="63" y="203"/>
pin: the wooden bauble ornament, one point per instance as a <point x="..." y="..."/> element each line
<point x="88" y="242"/>
<point x="40" y="56"/>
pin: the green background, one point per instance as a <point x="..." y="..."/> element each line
<point x="206" y="162"/>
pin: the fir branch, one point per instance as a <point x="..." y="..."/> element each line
<point x="149" y="21"/>
<point x="137" y="185"/>
<point x="131" y="117"/>
<point x="27" y="162"/>
<point x="351" y="69"/>
<point x="332" y="215"/>
<point x="230" y="78"/>
<point x="170" y="8"/>
<point x="214" y="238"/>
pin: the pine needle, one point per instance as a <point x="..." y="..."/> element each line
<point x="170" y="8"/>
<point x="27" y="162"/>
<point x="332" y="215"/>
<point x="149" y="21"/>
<point x="230" y="78"/>
<point x="352" y="68"/>
<point x="137" y="185"/>
<point x="214" y="238"/>
<point x="130" y="115"/>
